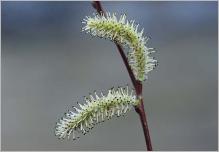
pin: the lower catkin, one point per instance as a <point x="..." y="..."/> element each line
<point x="97" y="108"/>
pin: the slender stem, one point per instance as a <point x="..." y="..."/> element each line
<point x="140" y="110"/>
<point x="137" y="85"/>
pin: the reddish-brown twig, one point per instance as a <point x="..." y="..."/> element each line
<point x="137" y="85"/>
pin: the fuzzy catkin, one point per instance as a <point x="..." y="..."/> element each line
<point x="125" y="33"/>
<point x="96" y="109"/>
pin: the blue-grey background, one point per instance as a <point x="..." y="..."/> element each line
<point x="48" y="64"/>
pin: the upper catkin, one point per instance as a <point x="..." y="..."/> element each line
<point x="126" y="33"/>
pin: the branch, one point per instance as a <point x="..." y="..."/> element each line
<point x="137" y="85"/>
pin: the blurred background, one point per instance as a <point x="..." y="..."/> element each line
<point x="48" y="65"/>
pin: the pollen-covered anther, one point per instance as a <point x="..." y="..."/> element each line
<point x="95" y="110"/>
<point x="126" y="33"/>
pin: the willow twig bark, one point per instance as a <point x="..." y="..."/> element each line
<point x="137" y="85"/>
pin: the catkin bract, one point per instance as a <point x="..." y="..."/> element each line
<point x="125" y="33"/>
<point x="96" y="109"/>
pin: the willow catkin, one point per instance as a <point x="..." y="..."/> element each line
<point x="125" y="33"/>
<point x="96" y="109"/>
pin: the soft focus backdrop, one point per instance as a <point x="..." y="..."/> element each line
<point x="48" y="64"/>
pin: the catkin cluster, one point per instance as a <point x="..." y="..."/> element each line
<point x="98" y="108"/>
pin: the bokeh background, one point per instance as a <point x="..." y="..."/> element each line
<point x="48" y="64"/>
